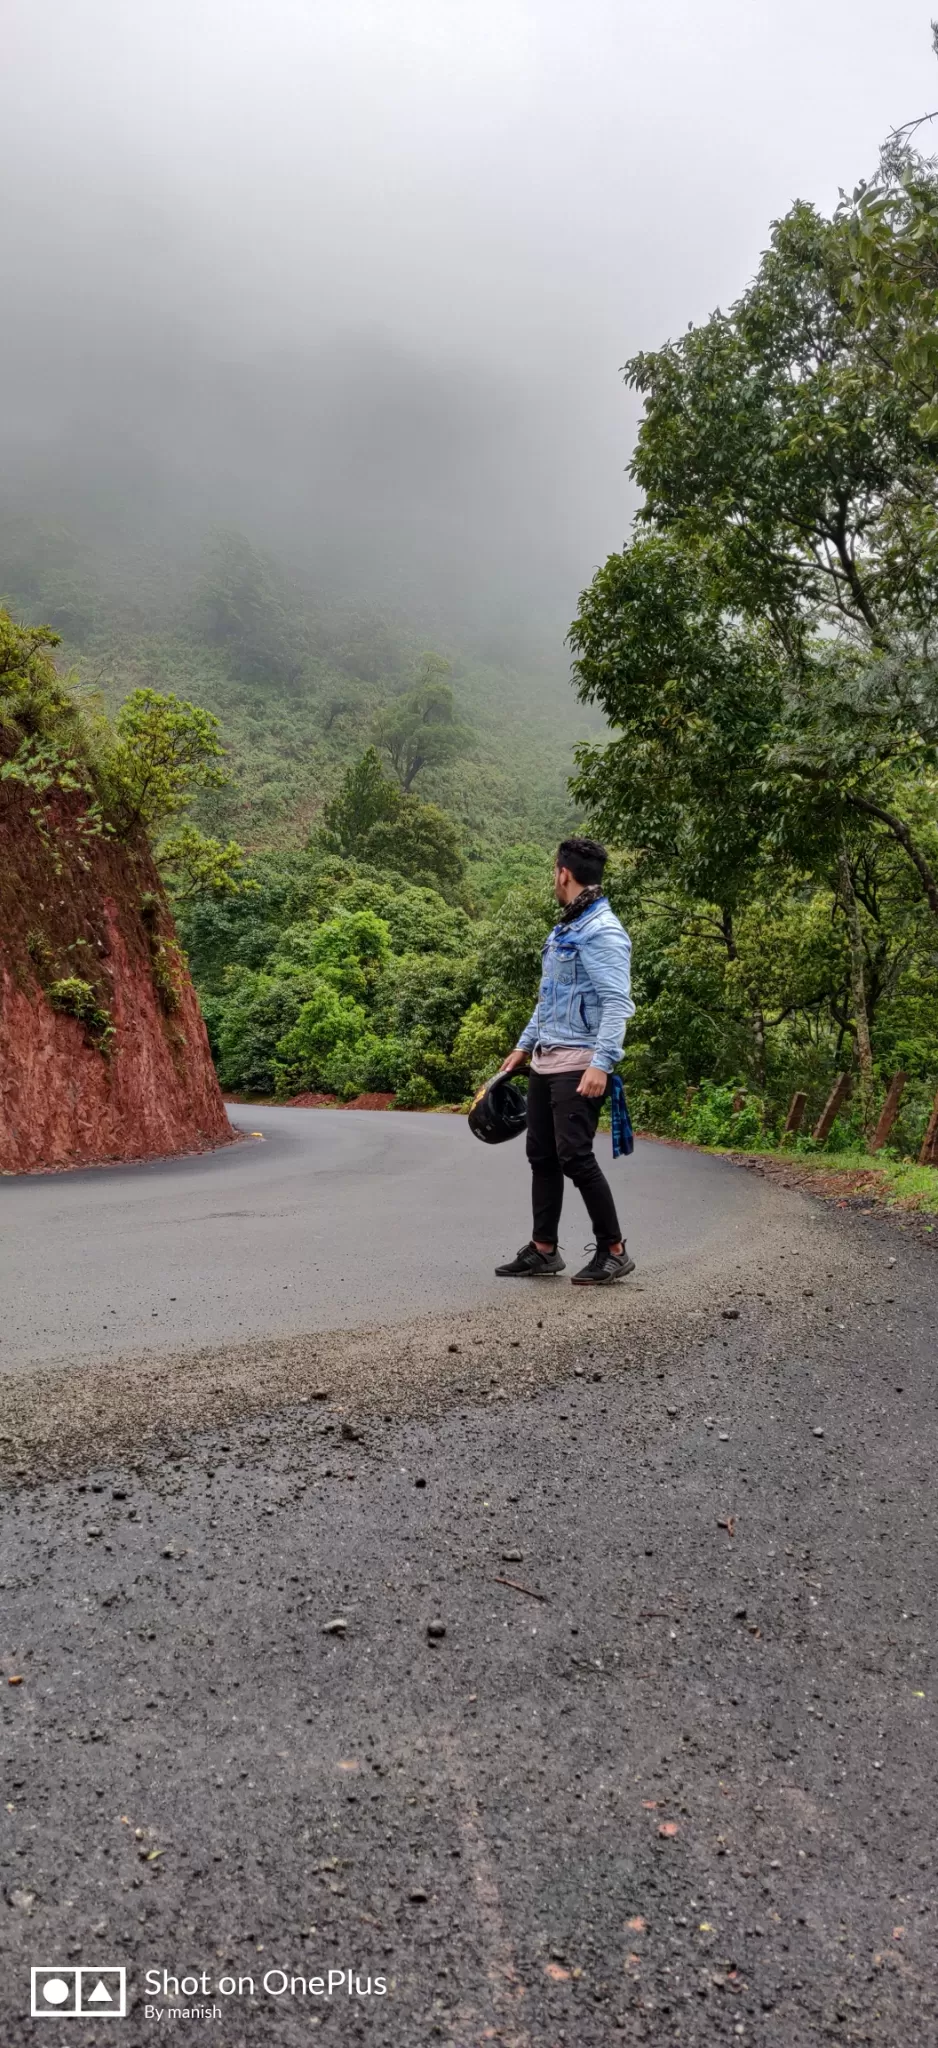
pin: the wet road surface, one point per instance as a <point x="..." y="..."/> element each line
<point x="687" y="1795"/>
<point x="336" y="1218"/>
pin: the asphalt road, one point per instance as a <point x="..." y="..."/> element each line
<point x="335" y="1219"/>
<point x="686" y="1796"/>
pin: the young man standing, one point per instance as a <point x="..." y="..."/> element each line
<point x="574" y="1040"/>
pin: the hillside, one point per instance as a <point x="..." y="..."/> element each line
<point x="103" y="1051"/>
<point x="298" y="679"/>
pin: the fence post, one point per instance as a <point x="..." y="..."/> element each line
<point x="739" y="1101"/>
<point x="835" y="1100"/>
<point x="889" y="1113"/>
<point x="928" y="1155"/>
<point x="796" y="1110"/>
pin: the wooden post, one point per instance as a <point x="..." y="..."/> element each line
<point x="796" y="1110"/>
<point x="928" y="1155"/>
<point x="739" y="1101"/>
<point x="890" y="1111"/>
<point x="835" y="1100"/>
<point x="689" y="1093"/>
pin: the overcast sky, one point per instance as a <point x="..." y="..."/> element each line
<point x="359" y="275"/>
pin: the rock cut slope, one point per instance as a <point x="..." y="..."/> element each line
<point x="103" y="1052"/>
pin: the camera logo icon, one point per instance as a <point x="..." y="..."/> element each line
<point x="76" y="1993"/>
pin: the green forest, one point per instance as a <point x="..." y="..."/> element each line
<point x="356" y="826"/>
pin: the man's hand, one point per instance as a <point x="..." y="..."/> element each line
<point x="593" y="1082"/>
<point x="515" y="1059"/>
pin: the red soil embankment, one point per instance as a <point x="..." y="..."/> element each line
<point x="137" y="1080"/>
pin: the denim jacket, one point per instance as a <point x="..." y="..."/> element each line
<point x="584" y="997"/>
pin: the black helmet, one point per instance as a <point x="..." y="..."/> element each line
<point x="498" y="1112"/>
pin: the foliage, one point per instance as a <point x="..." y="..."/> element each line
<point x="246" y="606"/>
<point x="416" y="1094"/>
<point x="76" y="998"/>
<point x="47" y="741"/>
<point x="520" y="865"/>
<point x="350" y="950"/>
<point x="420" y="730"/>
<point x="247" y="1023"/>
<point x="510" y="946"/>
<point x="711" y="1119"/>
<point x="366" y="798"/>
<point x="317" y="946"/>
<point x="371" y="819"/>
<point x="164" y="750"/>
<point x="196" y="867"/>
<point x="763" y="648"/>
<point x="693" y="697"/>
<point x="328" y="1024"/>
<point x="34" y="701"/>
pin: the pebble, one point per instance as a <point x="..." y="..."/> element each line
<point x="418" y="1897"/>
<point x="817" y="1432"/>
<point x="512" y="1557"/>
<point x="731" y="1315"/>
<point x="435" y="1630"/>
<point x="336" y="1627"/>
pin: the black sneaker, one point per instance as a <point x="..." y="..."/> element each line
<point x="604" y="1267"/>
<point x="530" y="1264"/>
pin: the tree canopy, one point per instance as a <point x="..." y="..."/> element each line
<point x="763" y="647"/>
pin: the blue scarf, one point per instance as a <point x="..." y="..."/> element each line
<point x="623" y="1141"/>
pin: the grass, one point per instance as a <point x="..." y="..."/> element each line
<point x="897" y="1183"/>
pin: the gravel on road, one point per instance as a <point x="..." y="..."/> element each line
<point x="566" y="1668"/>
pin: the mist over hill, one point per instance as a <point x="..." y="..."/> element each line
<point x="373" y="473"/>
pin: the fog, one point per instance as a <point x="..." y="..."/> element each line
<point x="358" y="276"/>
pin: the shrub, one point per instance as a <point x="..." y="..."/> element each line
<point x="416" y="1094"/>
<point x="247" y="1022"/>
<point x="710" y="1119"/>
<point x="328" y="1024"/>
<point x="73" y="997"/>
<point x="481" y="1043"/>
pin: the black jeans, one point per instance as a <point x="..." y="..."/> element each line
<point x="561" y="1129"/>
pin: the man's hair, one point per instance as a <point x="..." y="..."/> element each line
<point x="585" y="859"/>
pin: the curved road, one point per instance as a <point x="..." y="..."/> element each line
<point x="335" y="1218"/>
<point x="598" y="1708"/>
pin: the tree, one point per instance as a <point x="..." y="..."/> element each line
<point x="788" y="446"/>
<point x="372" y="820"/>
<point x="350" y="951"/>
<point x="785" y="435"/>
<point x="421" y="843"/>
<point x="366" y="797"/>
<point x="420" y="730"/>
<point x="693" y="697"/>
<point x="165" y="749"/>
<point x="196" y="867"/>
<point x="245" y="605"/>
<point x="764" y="646"/>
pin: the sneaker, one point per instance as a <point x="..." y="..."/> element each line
<point x="604" y="1267"/>
<point x="530" y="1264"/>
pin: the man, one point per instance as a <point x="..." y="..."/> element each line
<point x="574" y="1040"/>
